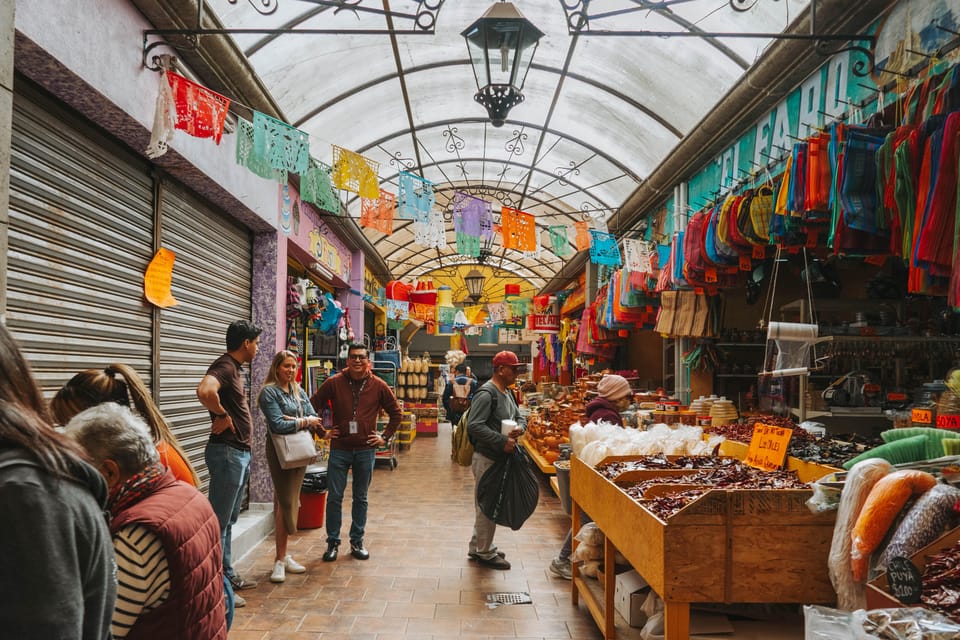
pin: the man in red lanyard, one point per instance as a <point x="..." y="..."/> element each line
<point x="355" y="397"/>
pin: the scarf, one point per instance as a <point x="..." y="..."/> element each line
<point x="135" y="488"/>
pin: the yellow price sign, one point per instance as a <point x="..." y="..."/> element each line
<point x="768" y="446"/>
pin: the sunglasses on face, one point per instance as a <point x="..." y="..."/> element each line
<point x="356" y="356"/>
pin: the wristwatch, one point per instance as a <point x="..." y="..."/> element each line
<point x="220" y="415"/>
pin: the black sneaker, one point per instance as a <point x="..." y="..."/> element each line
<point x="358" y="552"/>
<point x="332" y="549"/>
<point x="473" y="555"/>
<point x="240" y="583"/>
<point x="496" y="562"/>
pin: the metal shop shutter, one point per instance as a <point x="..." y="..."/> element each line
<point x="212" y="283"/>
<point x="81" y="229"/>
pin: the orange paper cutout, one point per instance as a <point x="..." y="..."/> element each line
<point x="583" y="235"/>
<point x="519" y="230"/>
<point x="158" y="279"/>
<point x="378" y="213"/>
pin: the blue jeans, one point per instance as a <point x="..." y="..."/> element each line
<point x="337" y="466"/>
<point x="229" y="468"/>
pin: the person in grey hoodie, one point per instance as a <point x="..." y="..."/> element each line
<point x="57" y="571"/>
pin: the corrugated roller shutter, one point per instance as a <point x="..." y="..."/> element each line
<point x="81" y="229"/>
<point x="212" y="283"/>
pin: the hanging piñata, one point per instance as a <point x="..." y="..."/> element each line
<point x="188" y="106"/>
<point x="355" y="173"/>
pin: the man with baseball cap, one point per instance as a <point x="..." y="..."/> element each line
<point x="492" y="403"/>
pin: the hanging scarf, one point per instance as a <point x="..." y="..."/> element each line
<point x="135" y="488"/>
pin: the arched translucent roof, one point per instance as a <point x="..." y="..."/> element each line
<point x="600" y="112"/>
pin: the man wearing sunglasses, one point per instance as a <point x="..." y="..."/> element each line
<point x="355" y="397"/>
<point x="492" y="403"/>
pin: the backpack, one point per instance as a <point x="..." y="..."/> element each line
<point x="460" y="400"/>
<point x="462" y="448"/>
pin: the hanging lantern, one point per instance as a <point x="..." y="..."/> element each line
<point x="501" y="44"/>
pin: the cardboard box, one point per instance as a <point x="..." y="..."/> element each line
<point x="630" y="594"/>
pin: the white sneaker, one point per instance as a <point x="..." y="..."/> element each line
<point x="238" y="602"/>
<point x="279" y="573"/>
<point x="293" y="566"/>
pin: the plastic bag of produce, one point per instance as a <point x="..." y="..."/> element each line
<point x="508" y="492"/>
<point x="909" y="623"/>
<point x="590" y="534"/>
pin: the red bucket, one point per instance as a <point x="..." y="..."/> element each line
<point x="313" y="507"/>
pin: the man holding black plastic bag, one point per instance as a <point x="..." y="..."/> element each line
<point x="496" y="444"/>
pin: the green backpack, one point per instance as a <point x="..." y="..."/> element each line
<point x="462" y="451"/>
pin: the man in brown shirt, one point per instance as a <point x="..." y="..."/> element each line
<point x="355" y="397"/>
<point x="222" y="391"/>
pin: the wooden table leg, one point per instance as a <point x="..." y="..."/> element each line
<point x="574" y="566"/>
<point x="609" y="589"/>
<point x="676" y="620"/>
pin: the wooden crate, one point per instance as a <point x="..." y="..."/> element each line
<point x="726" y="546"/>
<point x="878" y="589"/>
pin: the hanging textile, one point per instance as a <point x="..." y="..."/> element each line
<point x="519" y="229"/>
<point x="431" y="234"/>
<point x="355" y="173"/>
<point x="559" y="243"/>
<point x="188" y="106"/>
<point x="246" y="158"/>
<point x="604" y="249"/>
<point x="378" y="214"/>
<point x="283" y="147"/>
<point x="316" y="187"/>
<point x="414" y="197"/>
<point x="468" y="212"/>
<point x="582" y="234"/>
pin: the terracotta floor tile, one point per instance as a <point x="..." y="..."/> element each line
<point x="418" y="583"/>
<point x="326" y="623"/>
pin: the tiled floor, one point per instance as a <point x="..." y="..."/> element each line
<point x="418" y="583"/>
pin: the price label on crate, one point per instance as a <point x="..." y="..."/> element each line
<point x="904" y="580"/>
<point x="921" y="416"/>
<point x="768" y="446"/>
<point x="948" y="422"/>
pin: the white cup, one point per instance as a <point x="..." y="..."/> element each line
<point x="506" y="426"/>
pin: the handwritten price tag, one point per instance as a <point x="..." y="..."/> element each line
<point x="768" y="447"/>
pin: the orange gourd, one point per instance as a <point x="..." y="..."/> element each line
<point x="885" y="501"/>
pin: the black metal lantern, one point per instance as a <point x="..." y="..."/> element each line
<point x="474" y="281"/>
<point x="501" y="44"/>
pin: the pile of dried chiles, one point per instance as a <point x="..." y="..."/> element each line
<point x="803" y="444"/>
<point x="611" y="470"/>
<point x="941" y="583"/>
<point x="733" y="475"/>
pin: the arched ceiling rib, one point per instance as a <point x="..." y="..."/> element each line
<point x="600" y="114"/>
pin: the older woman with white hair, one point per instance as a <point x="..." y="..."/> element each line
<point x="166" y="536"/>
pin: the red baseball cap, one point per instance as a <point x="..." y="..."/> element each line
<point x="507" y="359"/>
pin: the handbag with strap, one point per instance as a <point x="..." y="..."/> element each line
<point x="294" y="449"/>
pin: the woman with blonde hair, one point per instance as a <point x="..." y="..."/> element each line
<point x="121" y="384"/>
<point x="287" y="409"/>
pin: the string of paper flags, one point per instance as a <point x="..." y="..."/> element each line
<point x="272" y="149"/>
